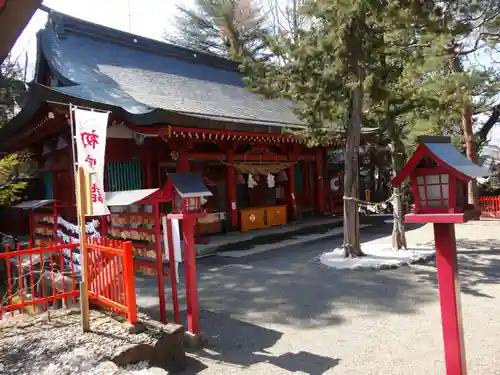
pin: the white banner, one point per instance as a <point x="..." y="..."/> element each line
<point x="90" y="134"/>
<point x="176" y="241"/>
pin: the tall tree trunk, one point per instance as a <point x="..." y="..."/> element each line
<point x="352" y="246"/>
<point x="470" y="143"/>
<point x="470" y="147"/>
<point x="398" y="229"/>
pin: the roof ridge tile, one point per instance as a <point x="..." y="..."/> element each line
<point x="64" y="23"/>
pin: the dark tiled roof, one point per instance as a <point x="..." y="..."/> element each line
<point x="140" y="75"/>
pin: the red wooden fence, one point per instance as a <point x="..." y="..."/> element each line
<point x="111" y="276"/>
<point x="490" y="207"/>
<point x="38" y="277"/>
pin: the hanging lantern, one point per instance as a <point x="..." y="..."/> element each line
<point x="282" y="177"/>
<point x="240" y="180"/>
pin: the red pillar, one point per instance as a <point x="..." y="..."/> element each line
<point x="320" y="198"/>
<point x="159" y="264"/>
<point x="449" y="297"/>
<point x="306" y="177"/>
<point x="291" y="191"/>
<point x="31" y="219"/>
<point x="232" y="209"/>
<point x="183" y="162"/>
<point x="193" y="315"/>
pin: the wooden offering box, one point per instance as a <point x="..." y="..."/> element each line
<point x="262" y="217"/>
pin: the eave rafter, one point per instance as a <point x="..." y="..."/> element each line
<point x="177" y="132"/>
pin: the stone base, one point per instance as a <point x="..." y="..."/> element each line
<point x="169" y="351"/>
<point x="134" y="329"/>
<point x="194" y="341"/>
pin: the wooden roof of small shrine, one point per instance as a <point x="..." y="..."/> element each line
<point x="189" y="185"/>
<point x="442" y="152"/>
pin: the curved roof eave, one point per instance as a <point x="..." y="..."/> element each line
<point x="40" y="95"/>
<point x="154" y="116"/>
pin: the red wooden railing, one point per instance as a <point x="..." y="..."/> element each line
<point x="111" y="276"/>
<point x="35" y="278"/>
<point x="490" y="207"/>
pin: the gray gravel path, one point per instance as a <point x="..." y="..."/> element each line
<point x="54" y="344"/>
<point x="281" y="312"/>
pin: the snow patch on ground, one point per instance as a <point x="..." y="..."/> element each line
<point x="291" y="242"/>
<point x="378" y="256"/>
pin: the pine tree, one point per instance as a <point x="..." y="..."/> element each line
<point x="403" y="77"/>
<point x="327" y="71"/>
<point x="230" y="28"/>
<point x="375" y="62"/>
<point x="475" y="29"/>
<point x="9" y="89"/>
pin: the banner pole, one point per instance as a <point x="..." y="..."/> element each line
<point x="82" y="180"/>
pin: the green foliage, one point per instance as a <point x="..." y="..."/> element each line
<point x="399" y="48"/>
<point x="474" y="50"/>
<point x="231" y="28"/>
<point x="9" y="74"/>
<point x="10" y="188"/>
<point x="492" y="186"/>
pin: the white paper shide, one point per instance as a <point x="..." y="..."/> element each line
<point x="90" y="134"/>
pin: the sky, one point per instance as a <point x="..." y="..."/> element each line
<point x="148" y="18"/>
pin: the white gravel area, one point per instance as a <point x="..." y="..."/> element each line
<point x="53" y="344"/>
<point x="283" y="313"/>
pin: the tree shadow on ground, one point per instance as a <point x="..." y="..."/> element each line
<point x="290" y="286"/>
<point x="246" y="302"/>
<point x="244" y="344"/>
<point x="478" y="262"/>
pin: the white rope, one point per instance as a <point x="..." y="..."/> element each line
<point x="371" y="204"/>
<point x="90" y="228"/>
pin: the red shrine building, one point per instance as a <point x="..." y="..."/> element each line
<point x="172" y="110"/>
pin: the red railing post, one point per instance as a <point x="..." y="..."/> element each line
<point x="490" y="207"/>
<point x="129" y="281"/>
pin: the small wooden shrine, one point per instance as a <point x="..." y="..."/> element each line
<point x="439" y="175"/>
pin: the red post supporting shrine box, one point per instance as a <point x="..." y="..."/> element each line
<point x="439" y="175"/>
<point x="188" y="188"/>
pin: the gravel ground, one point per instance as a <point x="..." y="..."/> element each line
<point x="57" y="346"/>
<point x="281" y="312"/>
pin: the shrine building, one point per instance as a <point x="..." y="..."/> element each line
<point x="171" y="110"/>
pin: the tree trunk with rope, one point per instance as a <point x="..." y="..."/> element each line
<point x="352" y="246"/>
<point x="398" y="229"/>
